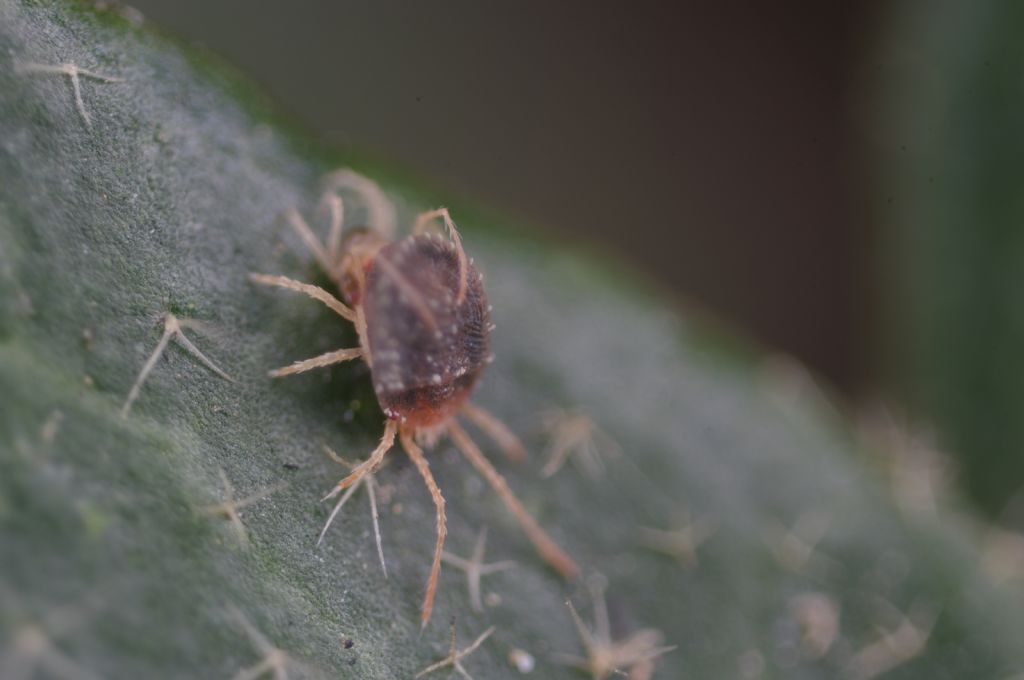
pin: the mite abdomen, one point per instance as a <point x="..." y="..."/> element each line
<point x="427" y="348"/>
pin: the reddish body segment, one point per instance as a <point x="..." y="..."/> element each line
<point x="427" y="349"/>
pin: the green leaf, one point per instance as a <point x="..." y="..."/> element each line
<point x="109" y="551"/>
<point x="949" y="147"/>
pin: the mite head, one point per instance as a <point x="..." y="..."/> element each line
<point x="358" y="249"/>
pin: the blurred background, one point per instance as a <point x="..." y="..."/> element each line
<point x="839" y="181"/>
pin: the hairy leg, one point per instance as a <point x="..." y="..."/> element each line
<point x="387" y="440"/>
<point x="547" y="548"/>
<point x="336" y="207"/>
<point x="420" y="225"/>
<point x="327" y="359"/>
<point x="381" y="212"/>
<point x="309" y="238"/>
<point x="497" y="431"/>
<point x="315" y="292"/>
<point x="420" y="461"/>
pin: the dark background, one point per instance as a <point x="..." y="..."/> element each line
<point x="710" y="143"/>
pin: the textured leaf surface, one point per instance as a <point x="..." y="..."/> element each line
<point x="164" y="205"/>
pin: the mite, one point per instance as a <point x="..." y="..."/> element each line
<point x="419" y="308"/>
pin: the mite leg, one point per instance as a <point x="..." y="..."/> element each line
<point x="420" y="461"/>
<point x="335" y="357"/>
<point x="420" y="225"/>
<point x="336" y="208"/>
<point x="412" y="294"/>
<point x="506" y="440"/>
<point x="309" y="238"/>
<point x="380" y="211"/>
<point x="327" y="256"/>
<point x="315" y="292"/>
<point x="364" y="342"/>
<point x="387" y="440"/>
<point x="547" y="548"/>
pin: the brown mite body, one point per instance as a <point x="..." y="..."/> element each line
<point x="427" y="349"/>
<point x="424" y="326"/>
